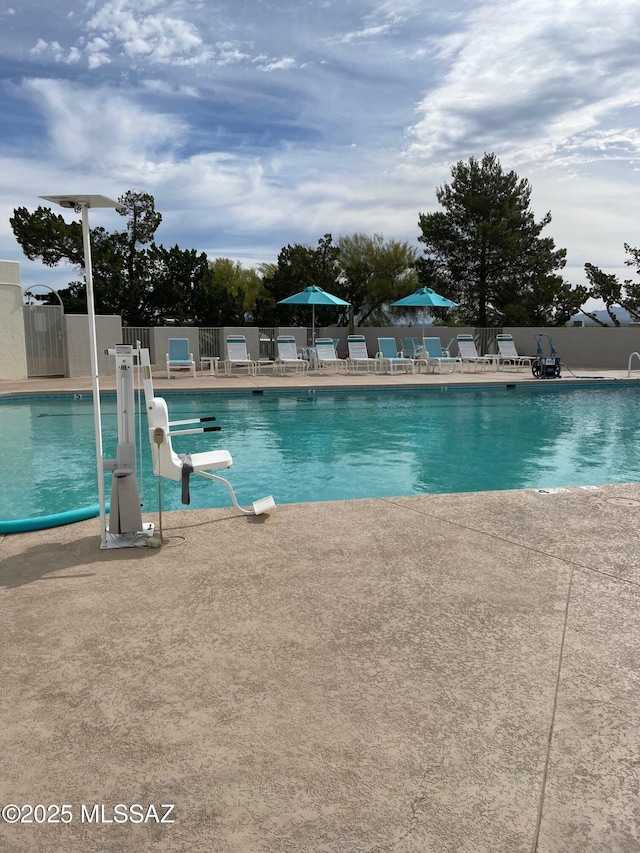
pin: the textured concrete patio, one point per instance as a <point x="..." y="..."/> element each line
<point x="426" y="674"/>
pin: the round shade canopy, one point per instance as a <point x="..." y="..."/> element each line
<point x="424" y="298"/>
<point x="313" y="295"/>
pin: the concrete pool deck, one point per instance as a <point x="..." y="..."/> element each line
<point x="435" y="673"/>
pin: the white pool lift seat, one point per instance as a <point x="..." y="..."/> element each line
<point x="173" y="466"/>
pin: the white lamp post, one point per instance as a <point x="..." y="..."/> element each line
<point x="82" y="203"/>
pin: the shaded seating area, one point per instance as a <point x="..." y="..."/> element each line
<point x="469" y="354"/>
<point x="508" y="354"/>
<point x="359" y="355"/>
<point x="179" y="357"/>
<point x="390" y="359"/>
<point x="288" y="355"/>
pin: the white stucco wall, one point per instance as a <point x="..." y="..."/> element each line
<point x="108" y="334"/>
<point x="13" y="355"/>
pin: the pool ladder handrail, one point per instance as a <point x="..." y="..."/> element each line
<point x="629" y="364"/>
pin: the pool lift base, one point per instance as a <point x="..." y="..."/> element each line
<point x="263" y="505"/>
<point x="140" y="539"/>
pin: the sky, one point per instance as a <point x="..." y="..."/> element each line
<point x="260" y="123"/>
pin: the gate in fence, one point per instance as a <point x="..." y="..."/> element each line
<point x="44" y="338"/>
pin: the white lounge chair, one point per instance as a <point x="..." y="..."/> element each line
<point x="435" y="356"/>
<point x="469" y="353"/>
<point x="389" y="356"/>
<point x="288" y="355"/>
<point x="173" y="466"/>
<point x="179" y="357"/>
<point x="237" y="356"/>
<point x="326" y="356"/>
<point x="359" y="355"/>
<point x="411" y="347"/>
<point x="507" y="353"/>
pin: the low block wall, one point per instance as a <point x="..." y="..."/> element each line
<point x="586" y="346"/>
<point x="13" y="353"/>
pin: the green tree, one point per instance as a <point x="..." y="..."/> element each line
<point x="44" y="235"/>
<point x="176" y="275"/>
<point x="605" y="287"/>
<point x="632" y="288"/>
<point x="225" y="293"/>
<point x="608" y="288"/>
<point x="374" y="273"/>
<point x="484" y="250"/>
<point x="121" y="272"/>
<point x="242" y="285"/>
<point x="133" y="284"/>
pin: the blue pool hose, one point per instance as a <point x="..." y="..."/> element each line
<point x="43" y="522"/>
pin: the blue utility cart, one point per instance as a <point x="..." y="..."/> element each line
<point x="545" y="366"/>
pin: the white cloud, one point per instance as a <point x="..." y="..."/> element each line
<point x="186" y="102"/>
<point x="134" y="29"/>
<point x="40" y="46"/>
<point x="55" y="49"/>
<point x="283" y="64"/>
<point x="528" y="82"/>
<point x="103" y="131"/>
<point x="368" y="32"/>
<point x="164" y="87"/>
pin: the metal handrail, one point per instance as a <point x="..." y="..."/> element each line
<point x="629" y="364"/>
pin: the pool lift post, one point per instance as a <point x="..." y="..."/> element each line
<point x="126" y="528"/>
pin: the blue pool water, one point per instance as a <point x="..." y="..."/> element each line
<point x="336" y="445"/>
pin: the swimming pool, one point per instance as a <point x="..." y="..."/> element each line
<point x="333" y="445"/>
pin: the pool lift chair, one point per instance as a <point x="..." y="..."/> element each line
<point x="178" y="467"/>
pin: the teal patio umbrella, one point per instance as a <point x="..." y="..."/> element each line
<point x="425" y="298"/>
<point x="313" y="295"/>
